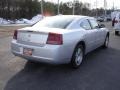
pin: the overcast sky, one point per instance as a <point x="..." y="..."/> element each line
<point x="99" y="2"/>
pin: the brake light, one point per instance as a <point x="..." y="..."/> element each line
<point x="15" y="34"/>
<point x="55" y="39"/>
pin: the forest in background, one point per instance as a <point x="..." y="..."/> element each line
<point x="16" y="9"/>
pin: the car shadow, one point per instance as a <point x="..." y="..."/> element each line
<point x="37" y="76"/>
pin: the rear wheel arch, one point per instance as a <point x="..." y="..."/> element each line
<point x="81" y="43"/>
<point x="75" y="62"/>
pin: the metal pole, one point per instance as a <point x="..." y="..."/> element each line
<point x="73" y="7"/>
<point x="42" y="7"/>
<point x="58" y="7"/>
<point x="113" y="6"/>
<point x="96" y="10"/>
<point x="105" y="6"/>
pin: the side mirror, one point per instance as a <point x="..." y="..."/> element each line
<point x="101" y="26"/>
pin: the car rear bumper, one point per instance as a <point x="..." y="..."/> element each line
<point x="53" y="54"/>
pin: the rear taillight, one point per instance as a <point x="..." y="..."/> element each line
<point x="15" y="34"/>
<point x="55" y="39"/>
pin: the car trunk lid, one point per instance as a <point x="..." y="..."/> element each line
<point x="35" y="36"/>
<point x="32" y="38"/>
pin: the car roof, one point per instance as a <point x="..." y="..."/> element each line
<point x="72" y="16"/>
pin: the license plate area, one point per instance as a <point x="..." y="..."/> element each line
<point x="27" y="51"/>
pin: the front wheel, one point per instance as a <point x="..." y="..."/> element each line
<point x="78" y="56"/>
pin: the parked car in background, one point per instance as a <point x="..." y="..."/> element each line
<point x="108" y="18"/>
<point x="117" y="24"/>
<point x="114" y="13"/>
<point x="113" y="16"/>
<point x="100" y="19"/>
<point x="104" y="18"/>
<point x="60" y="39"/>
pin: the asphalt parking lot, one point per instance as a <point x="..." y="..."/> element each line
<point x="99" y="71"/>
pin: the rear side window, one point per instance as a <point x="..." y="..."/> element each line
<point x="85" y="24"/>
<point x="94" y="24"/>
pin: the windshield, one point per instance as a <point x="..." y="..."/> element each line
<point x="54" y="22"/>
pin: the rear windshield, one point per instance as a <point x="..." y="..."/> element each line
<point x="54" y="22"/>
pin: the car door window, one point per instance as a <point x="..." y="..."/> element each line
<point x="85" y="24"/>
<point x="94" y="24"/>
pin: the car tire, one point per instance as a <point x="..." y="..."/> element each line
<point x="116" y="32"/>
<point x="78" y="56"/>
<point x="106" y="42"/>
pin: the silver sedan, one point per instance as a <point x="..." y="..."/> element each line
<point x="60" y="39"/>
